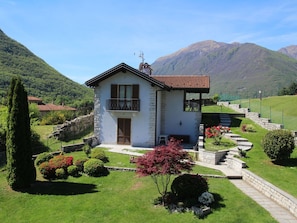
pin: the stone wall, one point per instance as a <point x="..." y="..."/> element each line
<point x="281" y="197"/>
<point x="211" y="157"/>
<point x="254" y="116"/>
<point x="75" y="127"/>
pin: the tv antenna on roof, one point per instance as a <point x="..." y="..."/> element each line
<point x="141" y="55"/>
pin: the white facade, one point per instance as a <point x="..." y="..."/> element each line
<point x="161" y="110"/>
<point x="143" y="123"/>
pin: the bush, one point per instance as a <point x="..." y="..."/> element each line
<point x="248" y="128"/>
<point x="43" y="157"/>
<point x="72" y="170"/>
<point x="98" y="153"/>
<point x="278" y="144"/>
<point x="189" y="186"/>
<point x="61" y="161"/>
<point x="80" y="164"/>
<point x="61" y="173"/>
<point x="47" y="170"/>
<point x="94" y="167"/>
<point x="87" y="149"/>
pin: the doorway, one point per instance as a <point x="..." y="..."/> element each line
<point x="124" y="131"/>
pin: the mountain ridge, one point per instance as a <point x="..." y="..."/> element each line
<point x="240" y="69"/>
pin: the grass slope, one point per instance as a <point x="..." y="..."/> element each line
<point x="280" y="109"/>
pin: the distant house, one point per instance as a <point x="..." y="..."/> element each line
<point x="45" y="108"/>
<point x="135" y="108"/>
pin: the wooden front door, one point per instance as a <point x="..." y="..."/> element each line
<point x="124" y="131"/>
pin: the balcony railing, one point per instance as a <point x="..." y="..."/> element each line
<point x="123" y="104"/>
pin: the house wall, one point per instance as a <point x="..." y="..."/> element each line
<point x="143" y="128"/>
<point x="175" y="121"/>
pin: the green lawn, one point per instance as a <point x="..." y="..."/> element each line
<point x="119" y="197"/>
<point x="283" y="176"/>
<point x="279" y="109"/>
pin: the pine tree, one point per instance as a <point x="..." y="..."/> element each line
<point x="20" y="166"/>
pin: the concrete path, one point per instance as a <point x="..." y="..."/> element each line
<point x="281" y="214"/>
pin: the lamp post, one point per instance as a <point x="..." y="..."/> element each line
<point x="260" y="97"/>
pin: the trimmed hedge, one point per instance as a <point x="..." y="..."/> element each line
<point x="98" y="153"/>
<point x="94" y="167"/>
<point x="278" y="144"/>
<point x="189" y="186"/>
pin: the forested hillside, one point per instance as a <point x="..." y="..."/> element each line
<point x="40" y="79"/>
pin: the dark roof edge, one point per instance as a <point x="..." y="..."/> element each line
<point x="122" y="66"/>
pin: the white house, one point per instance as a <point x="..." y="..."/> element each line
<point x="138" y="109"/>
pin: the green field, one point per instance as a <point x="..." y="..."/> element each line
<point x="120" y="197"/>
<point x="279" y="109"/>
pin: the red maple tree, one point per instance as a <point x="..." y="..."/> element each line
<point x="163" y="162"/>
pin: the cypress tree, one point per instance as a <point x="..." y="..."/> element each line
<point x="20" y="166"/>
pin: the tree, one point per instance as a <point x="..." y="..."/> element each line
<point x="216" y="98"/>
<point x="20" y="166"/>
<point x="162" y="162"/>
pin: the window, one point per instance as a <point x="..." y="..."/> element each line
<point x="191" y="102"/>
<point x="124" y="97"/>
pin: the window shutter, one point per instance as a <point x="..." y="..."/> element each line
<point x="114" y="91"/>
<point x="135" y="91"/>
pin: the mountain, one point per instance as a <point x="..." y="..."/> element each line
<point x="40" y="79"/>
<point x="235" y="70"/>
<point x="290" y="51"/>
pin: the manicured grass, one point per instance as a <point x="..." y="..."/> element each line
<point x="216" y="109"/>
<point x="279" y="109"/>
<point x="282" y="176"/>
<point x="120" y="197"/>
<point x="224" y="144"/>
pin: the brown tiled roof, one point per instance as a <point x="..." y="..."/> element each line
<point x="185" y="81"/>
<point x="34" y="99"/>
<point x="52" y="107"/>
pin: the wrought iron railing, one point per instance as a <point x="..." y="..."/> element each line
<point x="123" y="104"/>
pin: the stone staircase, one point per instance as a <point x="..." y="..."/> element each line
<point x="243" y="145"/>
<point x="225" y="120"/>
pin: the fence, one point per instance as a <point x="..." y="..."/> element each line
<point x="266" y="111"/>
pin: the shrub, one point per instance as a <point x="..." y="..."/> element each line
<point x="98" y="153"/>
<point x="80" y="164"/>
<point x="87" y="149"/>
<point x="278" y="144"/>
<point x="72" y="170"/>
<point x="61" y="161"/>
<point x="94" y="167"/>
<point x="47" y="170"/>
<point x="43" y="157"/>
<point x="248" y="128"/>
<point x="189" y="186"/>
<point x="61" y="173"/>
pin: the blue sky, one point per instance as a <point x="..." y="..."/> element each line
<point x="83" y="38"/>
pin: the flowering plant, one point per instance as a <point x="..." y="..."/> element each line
<point x="216" y="132"/>
<point x="206" y="198"/>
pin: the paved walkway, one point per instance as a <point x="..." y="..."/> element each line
<point x="281" y="214"/>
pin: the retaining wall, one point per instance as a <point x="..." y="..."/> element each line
<point x="281" y="197"/>
<point x="211" y="157"/>
<point x="72" y="128"/>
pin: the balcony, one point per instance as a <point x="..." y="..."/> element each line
<point x="123" y="104"/>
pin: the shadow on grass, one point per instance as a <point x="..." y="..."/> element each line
<point x="60" y="188"/>
<point x="290" y="162"/>
<point x="218" y="203"/>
